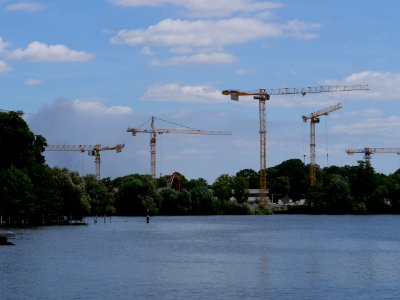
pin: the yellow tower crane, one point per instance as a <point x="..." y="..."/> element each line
<point x="368" y="151"/>
<point x="262" y="95"/>
<point x="314" y="118"/>
<point x="153" y="131"/>
<point x="93" y="150"/>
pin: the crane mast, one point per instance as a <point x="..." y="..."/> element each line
<point x="262" y="95"/>
<point x="92" y="150"/>
<point x="153" y="131"/>
<point x="314" y="118"/>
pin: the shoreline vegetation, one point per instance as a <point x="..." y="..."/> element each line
<point x="34" y="194"/>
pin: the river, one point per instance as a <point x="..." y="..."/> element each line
<point x="211" y="257"/>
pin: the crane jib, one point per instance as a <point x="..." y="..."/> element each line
<point x="317" y="89"/>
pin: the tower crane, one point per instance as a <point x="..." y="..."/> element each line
<point x="368" y="151"/>
<point x="262" y="95"/>
<point x="92" y="150"/>
<point x="153" y="131"/>
<point x="314" y="118"/>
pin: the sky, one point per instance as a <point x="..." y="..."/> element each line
<point x="85" y="71"/>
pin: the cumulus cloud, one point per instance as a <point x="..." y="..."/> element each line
<point x="98" y="108"/>
<point x="216" y="8"/>
<point x="25" y="6"/>
<point x="206" y="33"/>
<point x="207" y="38"/>
<point x="175" y="92"/>
<point x="32" y="81"/>
<point x="37" y="51"/>
<point x="4" y="67"/>
<point x="201" y="58"/>
<point x="383" y="85"/>
<point x="372" y="126"/>
<point x="146" y="51"/>
<point x="3" y="45"/>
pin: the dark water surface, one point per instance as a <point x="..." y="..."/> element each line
<point x="217" y="257"/>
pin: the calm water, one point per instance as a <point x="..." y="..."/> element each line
<point x="221" y="257"/>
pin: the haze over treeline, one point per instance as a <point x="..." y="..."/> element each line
<point x="34" y="193"/>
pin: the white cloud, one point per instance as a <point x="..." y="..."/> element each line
<point x="201" y="58"/>
<point x="4" y="67"/>
<point x="198" y="8"/>
<point x="207" y="33"/>
<point x="3" y="45"/>
<point x="184" y="93"/>
<point x="25" y="6"/>
<point x="383" y="85"/>
<point x="97" y="108"/>
<point x="37" y="51"/>
<point x="146" y="51"/>
<point x="206" y="39"/>
<point x="33" y="81"/>
<point x="244" y="71"/>
<point x="373" y="126"/>
<point x="299" y="29"/>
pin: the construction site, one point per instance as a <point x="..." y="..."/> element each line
<point x="260" y="196"/>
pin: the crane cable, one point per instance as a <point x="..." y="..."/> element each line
<point x="176" y="124"/>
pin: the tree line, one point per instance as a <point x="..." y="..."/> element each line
<point x="31" y="192"/>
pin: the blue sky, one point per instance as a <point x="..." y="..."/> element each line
<point x="85" y="71"/>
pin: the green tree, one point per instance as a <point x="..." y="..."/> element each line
<point x="132" y="191"/>
<point x="203" y="201"/>
<point x="169" y="201"/>
<point x="253" y="178"/>
<point x="101" y="199"/>
<point x="16" y="194"/>
<point x="21" y="167"/>
<point x="363" y="182"/>
<point x="338" y="195"/>
<point x="290" y="177"/>
<point x="20" y="147"/>
<point x="222" y="187"/>
<point x="76" y="203"/>
<point x="240" y="189"/>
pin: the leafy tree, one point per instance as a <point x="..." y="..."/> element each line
<point x="203" y="201"/>
<point x="76" y="203"/>
<point x="16" y="194"/>
<point x="132" y="190"/>
<point x="194" y="183"/>
<point x="101" y="199"/>
<point x="184" y="203"/>
<point x="240" y="189"/>
<point x="222" y="187"/>
<point x="363" y="183"/>
<point x="20" y="147"/>
<point x="169" y="201"/>
<point x="289" y="177"/>
<point x="253" y="178"/>
<point x="338" y="194"/>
